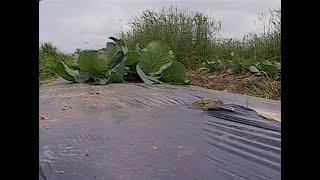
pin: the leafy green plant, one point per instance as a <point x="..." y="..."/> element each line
<point x="157" y="65"/>
<point x="115" y="63"/>
<point x="49" y="57"/>
<point x="175" y="74"/>
<point x="210" y="65"/>
<point x="131" y="59"/>
<point x="234" y="66"/>
<point x="191" y="37"/>
<point x="266" y="68"/>
<point x="208" y="104"/>
<point x="247" y="63"/>
<point x="154" y="58"/>
<point x="188" y="34"/>
<point x="96" y="66"/>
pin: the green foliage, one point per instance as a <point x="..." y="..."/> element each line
<point x="268" y="67"/>
<point x="49" y="58"/>
<point x="187" y="34"/>
<point x="94" y="63"/>
<point x="172" y="40"/>
<point x="156" y="64"/>
<point x="191" y="37"/>
<point x="234" y="66"/>
<point x="264" y="67"/>
<point x="210" y="65"/>
<point x="65" y="72"/>
<point x="97" y="67"/>
<point x="145" y="78"/>
<point x="115" y="63"/>
<point x="116" y="74"/>
<point x="155" y="58"/>
<point x="175" y="74"/>
<point x="132" y="58"/>
<point x="208" y="104"/>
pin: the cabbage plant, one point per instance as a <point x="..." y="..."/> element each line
<point x="115" y="63"/>
<point x="96" y="66"/>
<point x="157" y="65"/>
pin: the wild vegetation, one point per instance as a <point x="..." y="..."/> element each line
<point x="189" y="42"/>
<point x="49" y="57"/>
<point x="153" y="64"/>
<point x="191" y="36"/>
<point x="250" y="65"/>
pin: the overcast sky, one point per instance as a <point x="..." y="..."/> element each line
<point x="71" y="24"/>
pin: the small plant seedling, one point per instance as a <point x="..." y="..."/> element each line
<point x="208" y="104"/>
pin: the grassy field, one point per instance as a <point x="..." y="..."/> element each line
<point x="49" y="56"/>
<point x="250" y="65"/>
<point x="192" y="36"/>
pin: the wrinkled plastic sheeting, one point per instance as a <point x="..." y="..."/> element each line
<point x="129" y="131"/>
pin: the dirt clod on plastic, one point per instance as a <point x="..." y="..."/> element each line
<point x="208" y="104"/>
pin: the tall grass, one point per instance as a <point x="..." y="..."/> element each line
<point x="49" y="56"/>
<point x="188" y="34"/>
<point x="262" y="46"/>
<point x="192" y="37"/>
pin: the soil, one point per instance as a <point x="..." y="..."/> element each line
<point x="244" y="83"/>
<point x="48" y="80"/>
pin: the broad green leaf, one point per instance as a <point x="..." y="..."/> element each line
<point x="97" y="67"/>
<point x="268" y="67"/>
<point x="175" y="74"/>
<point x="83" y="73"/>
<point x="211" y="65"/>
<point x="100" y="80"/>
<point x="155" y="58"/>
<point x="145" y="78"/>
<point x="74" y="66"/>
<point x="162" y="68"/>
<point x="65" y="72"/>
<point x="81" y="77"/>
<point x="93" y="62"/>
<point x="132" y="57"/>
<point x="114" y="77"/>
<point x="116" y="74"/>
<point x="247" y="63"/>
<point x="119" y="68"/>
<point x="114" y="54"/>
